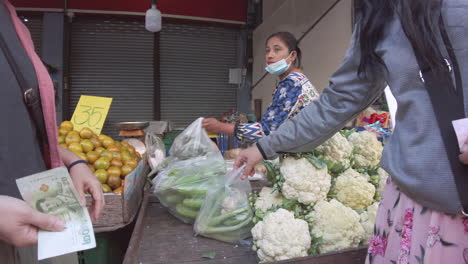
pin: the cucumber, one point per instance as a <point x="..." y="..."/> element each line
<point x="193" y="202"/>
<point x="186" y="212"/>
<point x="192" y="190"/>
<point x="174" y="198"/>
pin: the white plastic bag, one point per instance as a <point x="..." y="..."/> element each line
<point x="155" y="150"/>
<point x="226" y="214"/>
<point x="192" y="142"/>
<point x="183" y="184"/>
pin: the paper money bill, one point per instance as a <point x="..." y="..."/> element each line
<point x="52" y="192"/>
<point x="461" y="130"/>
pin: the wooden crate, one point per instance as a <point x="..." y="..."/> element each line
<point x="120" y="210"/>
<point x="159" y="238"/>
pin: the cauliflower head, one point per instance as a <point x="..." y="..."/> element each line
<point x="303" y="181"/>
<point x="337" y="224"/>
<point x="280" y="236"/>
<point x="353" y="189"/>
<point x="383" y="176"/>
<point x="337" y="149"/>
<point x="368" y="221"/>
<point x="267" y="198"/>
<point x="368" y="149"/>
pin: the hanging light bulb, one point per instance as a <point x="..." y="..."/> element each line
<point x="153" y="18"/>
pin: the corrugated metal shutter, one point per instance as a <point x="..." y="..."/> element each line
<point x="34" y="24"/>
<point x="195" y="62"/>
<point x="113" y="58"/>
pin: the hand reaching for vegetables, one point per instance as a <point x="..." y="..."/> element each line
<point x="250" y="157"/>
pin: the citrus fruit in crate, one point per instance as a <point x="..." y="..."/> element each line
<point x="110" y="160"/>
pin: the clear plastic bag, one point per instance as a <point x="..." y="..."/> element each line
<point x="226" y="214"/>
<point x="183" y="184"/>
<point x="192" y="142"/>
<point x="155" y="150"/>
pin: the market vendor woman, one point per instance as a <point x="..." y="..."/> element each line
<point x="294" y="91"/>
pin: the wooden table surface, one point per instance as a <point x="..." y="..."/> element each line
<point x="160" y="238"/>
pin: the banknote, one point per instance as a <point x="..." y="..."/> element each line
<point x="461" y="130"/>
<point x="52" y="192"/>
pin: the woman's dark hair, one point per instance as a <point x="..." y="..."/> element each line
<point x="292" y="44"/>
<point x="419" y="18"/>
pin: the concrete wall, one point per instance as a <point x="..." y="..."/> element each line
<point x="323" y="48"/>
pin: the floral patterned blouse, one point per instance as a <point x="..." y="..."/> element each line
<point x="291" y="95"/>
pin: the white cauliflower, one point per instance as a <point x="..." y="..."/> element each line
<point x="368" y="221"/>
<point x="337" y="224"/>
<point x="280" y="236"/>
<point x="267" y="198"/>
<point x="303" y="181"/>
<point x="353" y="189"/>
<point x="383" y="176"/>
<point x="337" y="149"/>
<point x="367" y="149"/>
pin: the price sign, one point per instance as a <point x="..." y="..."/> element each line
<point x="91" y="112"/>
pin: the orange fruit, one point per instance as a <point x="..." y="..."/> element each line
<point x="107" y="142"/>
<point x="125" y="144"/>
<point x="131" y="149"/>
<point x="125" y="156"/>
<point x="101" y="137"/>
<point x="106" y="188"/>
<point x="116" y="163"/>
<point x="63" y="145"/>
<point x="67" y="125"/>
<point x="126" y="170"/>
<point x="102" y="163"/>
<point x="87" y="145"/>
<point x="132" y="163"/>
<point x="138" y="155"/>
<point x="113" y="181"/>
<point x="116" y="155"/>
<point x="99" y="150"/>
<point x="95" y="140"/>
<point x="92" y="156"/>
<point x="101" y="175"/>
<point x="114" y="171"/>
<point x="71" y="137"/>
<point x="106" y="154"/>
<point x="75" y="147"/>
<point x="63" y="132"/>
<point x="113" y="147"/>
<point x="86" y="133"/>
<point x="118" y="191"/>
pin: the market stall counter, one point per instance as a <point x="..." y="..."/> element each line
<point x="160" y="238"/>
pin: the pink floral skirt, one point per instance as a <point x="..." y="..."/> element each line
<point x="406" y="232"/>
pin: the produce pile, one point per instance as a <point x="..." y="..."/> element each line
<point x="321" y="201"/>
<point x="183" y="184"/>
<point x="226" y="213"/>
<point x="110" y="160"/>
<point x="194" y="166"/>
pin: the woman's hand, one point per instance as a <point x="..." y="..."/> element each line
<point x="84" y="181"/>
<point x="20" y="223"/>
<point x="464" y="153"/>
<point x="250" y="157"/>
<point x="214" y="126"/>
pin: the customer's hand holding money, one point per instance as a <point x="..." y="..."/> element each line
<point x="20" y="223"/>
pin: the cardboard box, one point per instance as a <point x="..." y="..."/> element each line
<point x="120" y="210"/>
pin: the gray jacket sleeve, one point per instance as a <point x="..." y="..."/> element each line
<point x="346" y="96"/>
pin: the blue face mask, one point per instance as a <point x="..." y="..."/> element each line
<point x="278" y="67"/>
